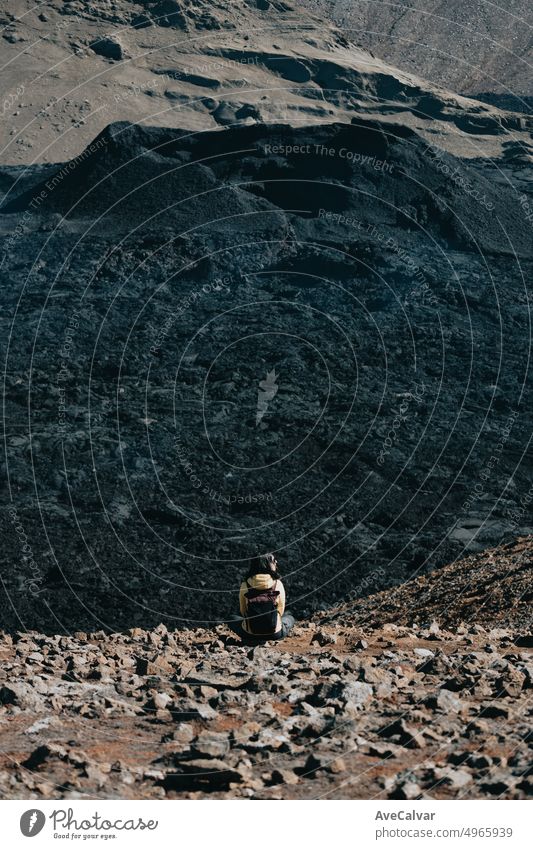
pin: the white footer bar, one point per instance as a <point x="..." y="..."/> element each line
<point x="304" y="825"/>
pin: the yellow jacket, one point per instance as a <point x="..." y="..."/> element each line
<point x="261" y="582"/>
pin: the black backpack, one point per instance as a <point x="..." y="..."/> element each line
<point x="262" y="610"/>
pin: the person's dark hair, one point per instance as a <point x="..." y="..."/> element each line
<point x="263" y="564"/>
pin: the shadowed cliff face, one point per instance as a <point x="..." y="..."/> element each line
<point x="311" y="340"/>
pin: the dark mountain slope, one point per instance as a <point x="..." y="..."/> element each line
<point x="310" y="340"/>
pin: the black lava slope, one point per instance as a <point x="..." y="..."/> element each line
<point x="313" y="340"/>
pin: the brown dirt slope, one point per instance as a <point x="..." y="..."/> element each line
<point x="494" y="587"/>
<point x="70" y="69"/>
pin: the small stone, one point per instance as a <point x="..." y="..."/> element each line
<point x="477" y="726"/>
<point x="374" y="674"/>
<point x="431" y="734"/>
<point x="205" y="711"/>
<point x="137" y="633"/>
<point x="211" y="744"/>
<point x="324" y="638"/>
<point x="35" y="657"/>
<point x="409" y="737"/>
<point x="157" y="665"/>
<point x="23" y="695"/>
<point x="207" y="693"/>
<point x="109" y="48"/>
<point x="355" y="695"/>
<point x="444" y="701"/>
<point x="94" y="773"/>
<point x="527" y="669"/>
<point x="311" y="766"/>
<point x="41" y="724"/>
<point x="337" y="766"/>
<point x="457" y="778"/>
<point x="183" y="733"/>
<point x="161" y="700"/>
<point x="284" y="776"/>
<point x="315" y="727"/>
<point x="221" y="681"/>
<point x="381" y="750"/>
<point x="511" y="684"/>
<point x="409" y="790"/>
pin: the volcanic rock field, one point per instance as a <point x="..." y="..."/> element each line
<point x="154" y="286"/>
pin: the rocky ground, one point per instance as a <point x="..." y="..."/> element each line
<point x="494" y="587"/>
<point x="477" y="48"/>
<point x="341" y="709"/>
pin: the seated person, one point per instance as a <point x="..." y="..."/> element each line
<point x="262" y="603"/>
